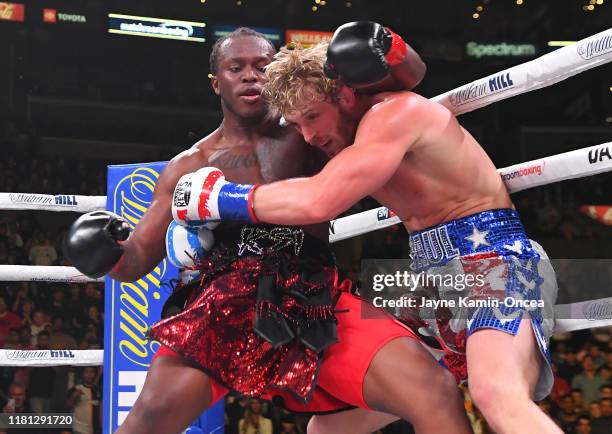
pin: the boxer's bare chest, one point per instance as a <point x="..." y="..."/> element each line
<point x="262" y="160"/>
<point x="265" y="160"/>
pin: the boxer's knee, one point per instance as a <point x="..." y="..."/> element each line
<point x="402" y="370"/>
<point x="484" y="394"/>
<point x="497" y="397"/>
<point x="151" y="407"/>
<point x="318" y="426"/>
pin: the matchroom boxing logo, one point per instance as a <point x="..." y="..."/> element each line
<point x="536" y="169"/>
<point x="595" y="47"/>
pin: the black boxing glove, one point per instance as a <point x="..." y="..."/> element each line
<point x="92" y="244"/>
<point x="362" y="52"/>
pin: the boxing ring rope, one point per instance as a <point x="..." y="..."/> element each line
<point x="51" y="202"/>
<point x="594" y="312"/>
<point x="43" y="273"/>
<point x="42" y="358"/>
<point x="538" y="73"/>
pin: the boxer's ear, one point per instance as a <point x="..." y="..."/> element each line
<point x="346" y="97"/>
<point x="214" y="83"/>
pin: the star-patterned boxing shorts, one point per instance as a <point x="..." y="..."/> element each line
<point x="481" y="271"/>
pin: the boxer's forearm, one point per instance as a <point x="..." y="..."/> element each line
<point x="295" y="202"/>
<point x="410" y="72"/>
<point x="405" y="76"/>
<point x="135" y="262"/>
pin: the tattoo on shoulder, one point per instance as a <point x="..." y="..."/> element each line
<point x="233" y="161"/>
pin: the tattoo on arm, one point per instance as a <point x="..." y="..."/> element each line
<point x="233" y="161"/>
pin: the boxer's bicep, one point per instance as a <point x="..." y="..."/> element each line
<point x="358" y="171"/>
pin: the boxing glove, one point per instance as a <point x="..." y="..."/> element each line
<point x="205" y="197"/>
<point x="186" y="246"/>
<point x="93" y="242"/>
<point x="362" y="52"/>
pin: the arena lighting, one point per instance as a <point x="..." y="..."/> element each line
<point x="560" y="43"/>
<point x="156" y="27"/>
<point x="479" y="10"/>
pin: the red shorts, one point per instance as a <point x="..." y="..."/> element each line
<point x="362" y="331"/>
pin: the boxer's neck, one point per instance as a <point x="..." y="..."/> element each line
<point x="241" y="131"/>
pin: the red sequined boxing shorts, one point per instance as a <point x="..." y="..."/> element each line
<point x="362" y="331"/>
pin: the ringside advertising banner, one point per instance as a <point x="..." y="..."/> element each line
<point x="12" y="12"/>
<point x="273" y="34"/>
<point x="164" y="28"/>
<point x="307" y="38"/>
<point x="53" y="16"/>
<point x="132" y="307"/>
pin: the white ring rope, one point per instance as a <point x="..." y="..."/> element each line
<point x="536" y="74"/>
<point x="52" y="202"/>
<point x="38" y="358"/>
<point x="587" y="314"/>
<point x="43" y="273"/>
<point x="569" y="165"/>
<point x="544" y="71"/>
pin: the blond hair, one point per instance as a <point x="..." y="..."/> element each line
<point x="295" y="78"/>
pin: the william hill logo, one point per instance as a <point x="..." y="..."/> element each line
<point x="63" y="199"/>
<point x="500" y="82"/>
<point x="482" y="88"/>
<point x="595" y="47"/>
<point x="40" y="354"/>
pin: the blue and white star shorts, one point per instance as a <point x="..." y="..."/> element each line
<point x="489" y="275"/>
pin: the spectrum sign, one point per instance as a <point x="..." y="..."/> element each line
<point x="164" y="28"/>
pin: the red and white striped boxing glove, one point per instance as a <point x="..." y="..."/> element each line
<point x="205" y="197"/>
